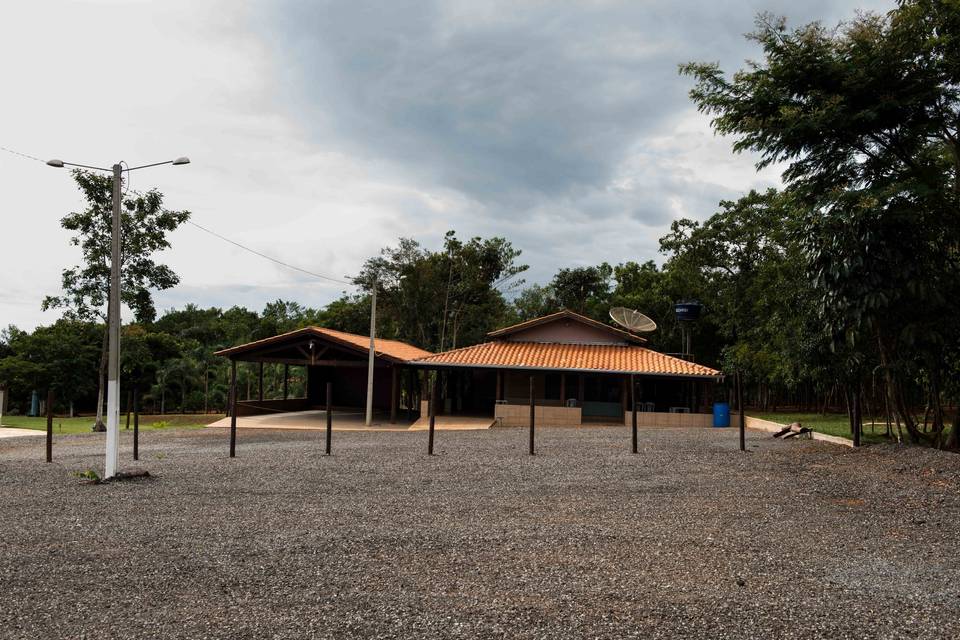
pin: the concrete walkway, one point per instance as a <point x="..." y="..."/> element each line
<point x="350" y="420"/>
<point x="345" y="420"/>
<point x="10" y="432"/>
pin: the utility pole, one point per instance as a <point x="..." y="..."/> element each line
<point x="113" y="311"/>
<point x="373" y="333"/>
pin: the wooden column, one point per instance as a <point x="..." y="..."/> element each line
<point x="563" y="389"/>
<point x="394" y="382"/>
<point x="260" y="383"/>
<point x="580" y="389"/>
<point x="623" y="393"/>
<point x="499" y="384"/>
<point x="286" y="380"/>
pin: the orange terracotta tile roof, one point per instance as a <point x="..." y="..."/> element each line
<point x="392" y="349"/>
<point x="569" y="357"/>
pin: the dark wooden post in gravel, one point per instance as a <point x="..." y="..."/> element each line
<point x="136" y="423"/>
<point x="633" y="413"/>
<point x="743" y="413"/>
<point x="433" y="412"/>
<point x="394" y="395"/>
<point x="857" y="417"/>
<point x="532" y="410"/>
<point x="260" y="383"/>
<point x="50" y="425"/>
<point x="233" y="408"/>
<point x="286" y="379"/>
<point x="329" y="415"/>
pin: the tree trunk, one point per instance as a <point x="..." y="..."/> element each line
<point x="206" y="389"/>
<point x="895" y="393"/>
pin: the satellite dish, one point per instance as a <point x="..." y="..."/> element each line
<point x="632" y="320"/>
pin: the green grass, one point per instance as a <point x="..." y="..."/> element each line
<point x="833" y="424"/>
<point x="84" y="424"/>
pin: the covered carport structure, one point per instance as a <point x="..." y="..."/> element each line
<point x="329" y="356"/>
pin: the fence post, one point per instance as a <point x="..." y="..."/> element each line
<point x="743" y="413"/>
<point x="531" y="417"/>
<point x="329" y="415"/>
<point x="136" y="423"/>
<point x="633" y="412"/>
<point x="50" y="425"/>
<point x="233" y="408"/>
<point x="433" y="412"/>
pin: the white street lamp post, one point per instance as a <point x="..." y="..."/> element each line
<point x="113" y="313"/>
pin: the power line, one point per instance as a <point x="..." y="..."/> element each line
<point x="214" y="233"/>
<point x="270" y="258"/>
<point x="23" y="155"/>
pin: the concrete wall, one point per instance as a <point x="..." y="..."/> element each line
<point x="518" y="415"/>
<point x="654" y="419"/>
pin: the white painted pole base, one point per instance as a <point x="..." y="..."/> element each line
<point x="113" y="428"/>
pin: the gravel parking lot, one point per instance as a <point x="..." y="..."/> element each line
<point x="690" y="538"/>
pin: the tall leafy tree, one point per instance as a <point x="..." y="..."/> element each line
<point x="867" y="119"/>
<point x="145" y="225"/>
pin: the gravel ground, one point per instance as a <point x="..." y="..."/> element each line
<point x="689" y="539"/>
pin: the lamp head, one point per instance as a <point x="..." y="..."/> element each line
<point x="181" y="160"/>
<point x="55" y="163"/>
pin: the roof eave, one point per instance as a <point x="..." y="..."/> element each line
<point x="452" y="365"/>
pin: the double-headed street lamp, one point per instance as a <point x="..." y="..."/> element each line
<point x="113" y="371"/>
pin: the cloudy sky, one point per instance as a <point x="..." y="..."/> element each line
<point x="321" y="131"/>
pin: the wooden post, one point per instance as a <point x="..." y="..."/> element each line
<point x="260" y="383"/>
<point x="136" y="423"/>
<point x="329" y="415"/>
<point x="49" y="408"/>
<point x="633" y="412"/>
<point x="743" y="413"/>
<point x="286" y="380"/>
<point x="532" y="411"/>
<point x="580" y="385"/>
<point x="129" y="401"/>
<point x="499" y="384"/>
<point x="233" y="408"/>
<point x="394" y="382"/>
<point x="563" y="389"/>
<point x="409" y="385"/>
<point x="433" y="412"/>
<point x="857" y="417"/>
<point x="623" y="393"/>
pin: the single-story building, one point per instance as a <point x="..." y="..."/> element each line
<point x="331" y="356"/>
<point x="580" y="371"/>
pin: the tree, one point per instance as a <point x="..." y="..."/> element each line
<point x="585" y="290"/>
<point x="443" y="299"/>
<point x="145" y="225"/>
<point x="866" y="117"/>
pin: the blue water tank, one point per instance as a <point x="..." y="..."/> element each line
<point x="721" y="414"/>
<point x="687" y="311"/>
